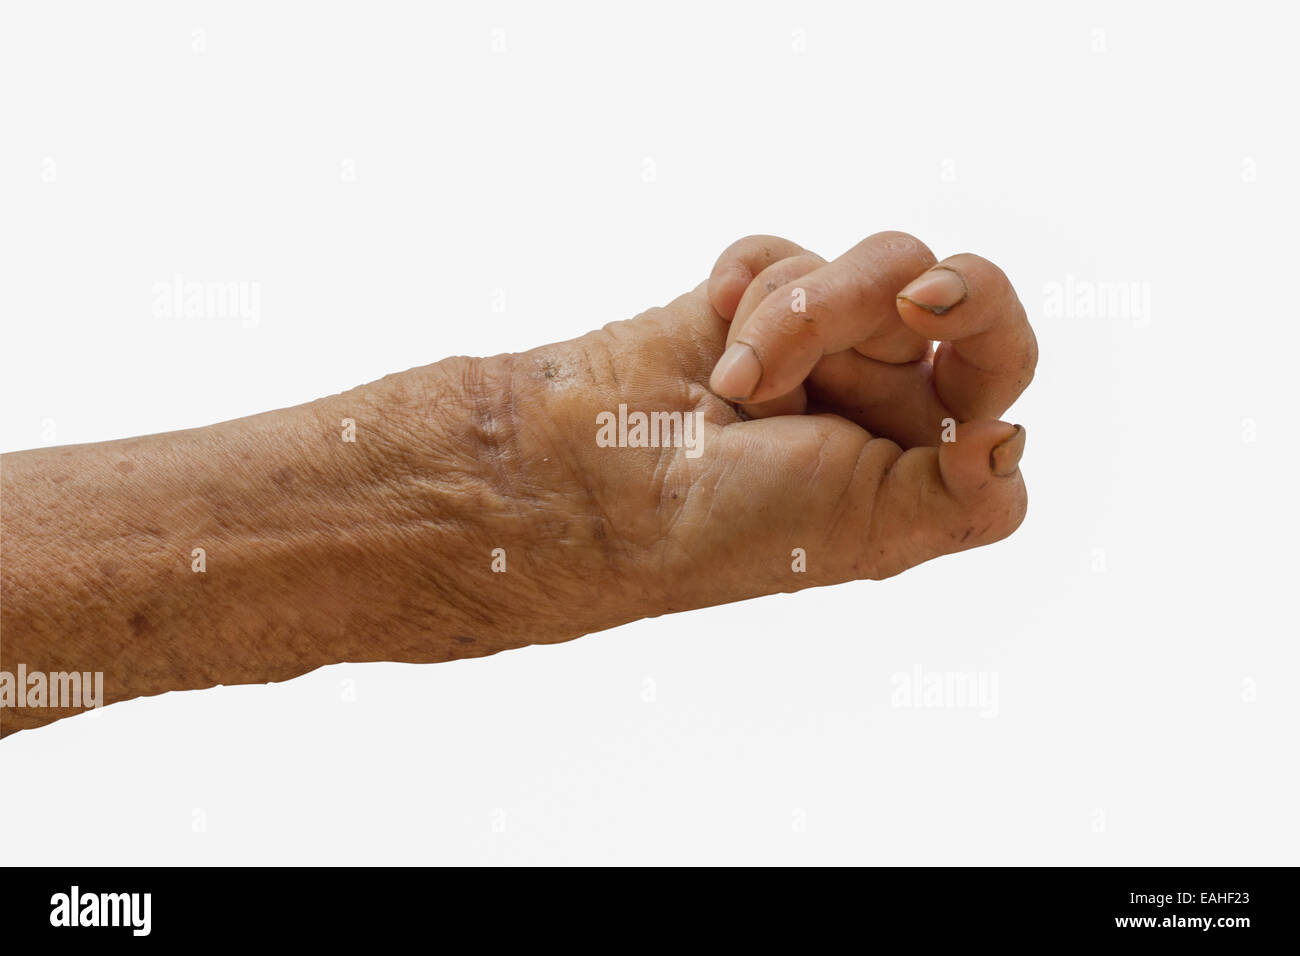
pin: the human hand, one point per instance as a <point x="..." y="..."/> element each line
<point x="859" y="444"/>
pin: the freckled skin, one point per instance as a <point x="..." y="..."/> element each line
<point x="321" y="550"/>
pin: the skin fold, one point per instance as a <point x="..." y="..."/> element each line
<point x="858" y="444"/>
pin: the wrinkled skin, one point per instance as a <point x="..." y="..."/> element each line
<point x="841" y="434"/>
<point x="806" y="468"/>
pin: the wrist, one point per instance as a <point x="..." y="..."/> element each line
<point x="482" y="469"/>
<point x="475" y="543"/>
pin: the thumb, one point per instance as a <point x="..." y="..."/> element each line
<point x="866" y="507"/>
<point x="934" y="501"/>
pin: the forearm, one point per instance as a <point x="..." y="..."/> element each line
<point x="259" y="549"/>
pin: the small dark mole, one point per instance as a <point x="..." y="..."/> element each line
<point x="125" y="467"/>
<point x="139" y="624"/>
<point x="548" y="369"/>
<point x="674" y="496"/>
<point x="770" y="285"/>
<point x="463" y="639"/>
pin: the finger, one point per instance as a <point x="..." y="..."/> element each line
<point x="843" y="303"/>
<point x="891" y="400"/>
<point x="768" y="280"/>
<point x="870" y="508"/>
<point x="989" y="351"/>
<point x="739" y="263"/>
<point x="795" y="401"/>
<point x="894" y="401"/>
<point x="960" y="495"/>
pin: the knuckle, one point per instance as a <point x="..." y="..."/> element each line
<point x="895" y="238"/>
<point x="758" y="247"/>
<point x="899" y="245"/>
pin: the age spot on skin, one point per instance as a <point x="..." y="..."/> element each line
<point x="463" y="639"/>
<point x="565" y="372"/>
<point x="284" y="476"/>
<point x="139" y="624"/>
<point x="125" y="467"/>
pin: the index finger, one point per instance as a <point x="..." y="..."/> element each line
<point x="833" y="308"/>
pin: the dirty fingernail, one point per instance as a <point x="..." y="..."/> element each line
<point x="936" y="291"/>
<point x="1004" y="459"/>
<point x="737" y="373"/>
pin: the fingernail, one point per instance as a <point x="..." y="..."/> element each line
<point x="936" y="291"/>
<point x="1004" y="459"/>
<point x="737" y="373"/>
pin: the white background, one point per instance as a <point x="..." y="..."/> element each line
<point x="383" y="171"/>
